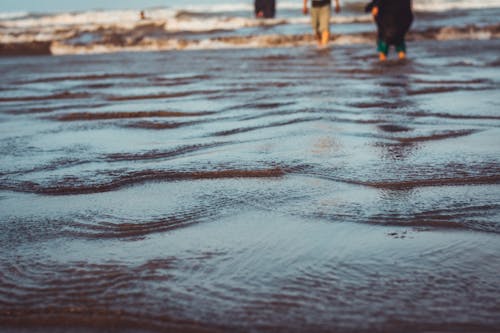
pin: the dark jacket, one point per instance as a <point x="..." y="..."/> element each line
<point x="394" y="19"/>
<point x="267" y="7"/>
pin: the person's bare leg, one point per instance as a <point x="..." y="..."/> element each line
<point x="325" y="37"/>
<point x="318" y="38"/>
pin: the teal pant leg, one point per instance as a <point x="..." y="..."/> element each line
<point x="382" y="47"/>
<point x="401" y="47"/>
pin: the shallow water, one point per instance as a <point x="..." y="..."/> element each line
<point x="259" y="190"/>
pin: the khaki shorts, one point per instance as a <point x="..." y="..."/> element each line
<point x="320" y="18"/>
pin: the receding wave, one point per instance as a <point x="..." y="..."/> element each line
<point x="451" y="116"/>
<point x="465" y="217"/>
<point x="61" y="163"/>
<point x="391" y="128"/>
<point x="435" y="136"/>
<point x="418" y="176"/>
<point x="160" y="96"/>
<point x="45" y="110"/>
<point x="79" y="116"/>
<point x="161" y="154"/>
<point x="380" y="104"/>
<point x="254" y="128"/>
<point x="442" y="82"/>
<point x="159" y="125"/>
<point x="81" y="186"/>
<point x="132" y="229"/>
<point x="438" y="90"/>
<point x="410" y="184"/>
<point x="259" y="105"/>
<point x="56" y="96"/>
<point x="90" y="77"/>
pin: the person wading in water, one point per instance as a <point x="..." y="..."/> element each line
<point x="265" y="8"/>
<point x="320" y="18"/>
<point x="394" y="19"/>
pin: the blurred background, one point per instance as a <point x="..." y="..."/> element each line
<point x="109" y="26"/>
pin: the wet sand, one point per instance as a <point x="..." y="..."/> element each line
<point x="259" y="190"/>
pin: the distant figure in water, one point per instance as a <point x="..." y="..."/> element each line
<point x="320" y="18"/>
<point x="265" y="8"/>
<point x="393" y="18"/>
<point x="142" y="15"/>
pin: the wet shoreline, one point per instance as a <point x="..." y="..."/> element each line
<point x="259" y="190"/>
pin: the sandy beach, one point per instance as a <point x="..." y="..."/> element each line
<point x="254" y="188"/>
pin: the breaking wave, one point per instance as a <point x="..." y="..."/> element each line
<point x="441" y="6"/>
<point x="122" y="43"/>
<point x="13" y="15"/>
<point x="258" y="41"/>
